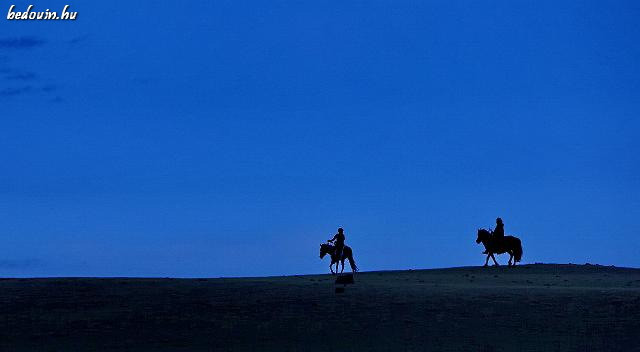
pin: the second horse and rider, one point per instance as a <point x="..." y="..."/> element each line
<point x="495" y="242"/>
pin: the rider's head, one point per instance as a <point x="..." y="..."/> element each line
<point x="498" y="221"/>
<point x="340" y="230"/>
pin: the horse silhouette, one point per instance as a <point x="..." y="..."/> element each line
<point x="509" y="244"/>
<point x="347" y="253"/>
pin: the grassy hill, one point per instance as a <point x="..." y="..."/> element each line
<point x="527" y="308"/>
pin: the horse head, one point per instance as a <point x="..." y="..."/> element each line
<point x="482" y="235"/>
<point x="324" y="249"/>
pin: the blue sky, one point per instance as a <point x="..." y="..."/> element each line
<point x="231" y="138"/>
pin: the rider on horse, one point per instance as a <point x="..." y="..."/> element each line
<point x="497" y="234"/>
<point x="339" y="242"/>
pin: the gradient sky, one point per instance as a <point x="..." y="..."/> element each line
<point x="231" y="138"/>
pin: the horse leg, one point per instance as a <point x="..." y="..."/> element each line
<point x="331" y="268"/>
<point x="341" y="271"/>
<point x="494" y="260"/>
<point x="486" y="262"/>
<point x="510" y="257"/>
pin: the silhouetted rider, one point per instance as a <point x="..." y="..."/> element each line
<point x="338" y="240"/>
<point x="498" y="235"/>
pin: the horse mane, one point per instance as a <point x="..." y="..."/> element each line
<point x="484" y="231"/>
<point x="326" y="245"/>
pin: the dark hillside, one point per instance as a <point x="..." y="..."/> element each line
<point x="527" y="308"/>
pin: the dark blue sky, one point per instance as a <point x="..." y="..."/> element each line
<point x="231" y="138"/>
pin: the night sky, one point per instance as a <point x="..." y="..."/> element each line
<point x="231" y="138"/>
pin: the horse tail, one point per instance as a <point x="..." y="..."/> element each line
<point x="517" y="252"/>
<point x="352" y="262"/>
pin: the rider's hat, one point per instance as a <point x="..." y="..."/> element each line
<point x="499" y="221"/>
<point x="340" y="229"/>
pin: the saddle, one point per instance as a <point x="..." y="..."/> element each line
<point x="497" y="243"/>
<point x="338" y="255"/>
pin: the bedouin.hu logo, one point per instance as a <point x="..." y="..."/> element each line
<point x="47" y="14"/>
